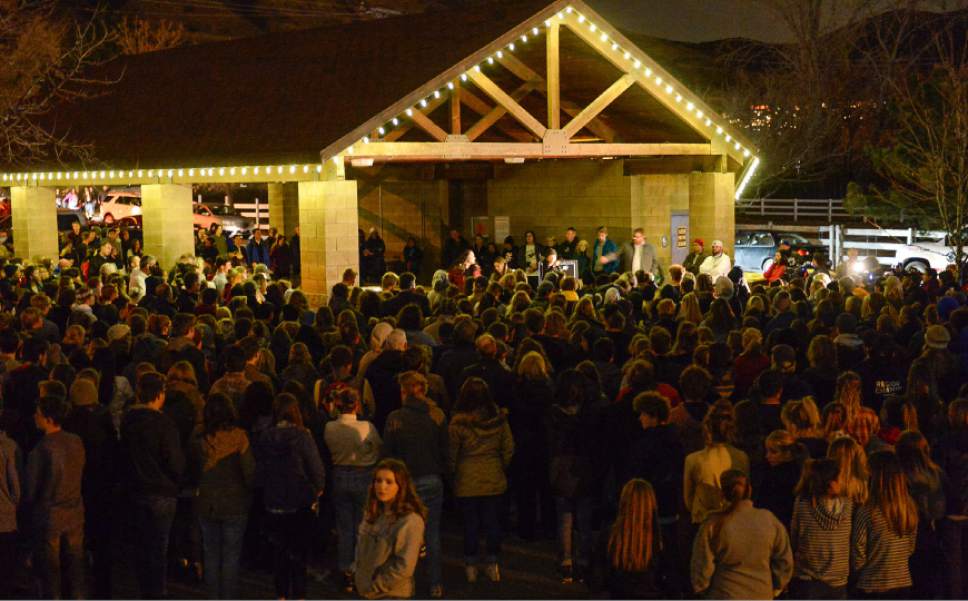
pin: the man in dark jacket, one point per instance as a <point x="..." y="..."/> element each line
<point x="453" y="361"/>
<point x="257" y="251"/>
<point x="417" y="434"/>
<point x="53" y="501"/>
<point x="20" y="393"/>
<point x="182" y="347"/>
<point x="382" y="376"/>
<point x="408" y="295"/>
<point x="92" y="422"/>
<point x="499" y="379"/>
<point x="154" y="466"/>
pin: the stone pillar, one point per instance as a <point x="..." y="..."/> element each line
<point x="329" y="238"/>
<point x="34" y="219"/>
<point x="712" y="208"/>
<point x="166" y="211"/>
<point x="654" y="197"/>
<point x="284" y="207"/>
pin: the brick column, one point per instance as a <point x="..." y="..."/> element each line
<point x="284" y="207"/>
<point x="166" y="211"/>
<point x="712" y="208"/>
<point x="654" y="197"/>
<point x="329" y="238"/>
<point x="34" y="219"/>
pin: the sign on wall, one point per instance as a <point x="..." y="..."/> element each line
<point x="502" y="228"/>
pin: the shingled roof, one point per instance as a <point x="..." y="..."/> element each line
<point x="273" y="98"/>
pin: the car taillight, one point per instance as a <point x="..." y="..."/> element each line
<point x="802" y="252"/>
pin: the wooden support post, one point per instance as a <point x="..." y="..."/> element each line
<point x="554" y="78"/>
<point x="495" y="114"/>
<point x="455" y="110"/>
<point x="423" y="122"/>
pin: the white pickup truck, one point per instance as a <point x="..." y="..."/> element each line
<point x="922" y="255"/>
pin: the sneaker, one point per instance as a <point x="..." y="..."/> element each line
<point x="471" y="573"/>
<point x="348" y="583"/>
<point x="437" y="591"/>
<point x="492" y="572"/>
<point x="567" y="574"/>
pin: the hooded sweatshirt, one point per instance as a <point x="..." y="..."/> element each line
<point x="480" y="450"/>
<point x="292" y="469"/>
<point x="225" y="468"/>
<point x="820" y="536"/>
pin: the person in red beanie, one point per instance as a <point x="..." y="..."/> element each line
<point x="695" y="258"/>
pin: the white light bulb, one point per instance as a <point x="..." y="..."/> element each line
<point x="256" y="171"/>
<point x="561" y="15"/>
<point x="524" y="38"/>
<point x="112" y="174"/>
<point x="131" y="174"/>
<point x="140" y="173"/>
<point x="614" y="46"/>
<point x="181" y="173"/>
<point x="436" y="93"/>
<point x="395" y="122"/>
<point x="171" y="173"/>
<point x="305" y="168"/>
<point x="709" y="123"/>
<point x="569" y="10"/>
<point x="628" y="55"/>
<point x="423" y="103"/>
<point x="490" y="60"/>
<point x="581" y="18"/>
<point x="41" y="176"/>
<point x="366" y="139"/>
<point x="292" y="168"/>
<point x="535" y="31"/>
<point x="658" y="80"/>
<point x="221" y="171"/>
<point x="719" y="129"/>
<point x="102" y="175"/>
<point x="245" y="171"/>
<point x="477" y="68"/>
<point x="593" y="28"/>
<point x="500" y="54"/>
<point x="349" y="149"/>
<point x="648" y="72"/>
<point x="410" y="112"/>
<point x="668" y="89"/>
<point x="280" y="170"/>
<point x="736" y="146"/>
<point x="380" y="130"/>
<point x="232" y="171"/>
<point x="678" y="97"/>
<point x="548" y="23"/>
<point x="511" y="46"/>
<point x="450" y="85"/>
<point x="319" y="168"/>
<point x="698" y="114"/>
<point x="690" y="106"/>
<point x="728" y="137"/>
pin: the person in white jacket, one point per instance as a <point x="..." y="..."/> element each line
<point x="718" y="263"/>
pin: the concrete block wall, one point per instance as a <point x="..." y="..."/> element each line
<point x="284" y="207"/>
<point x="328" y="223"/>
<point x="653" y="199"/>
<point x="550" y="196"/>
<point x="399" y="209"/>
<point x="712" y="208"/>
<point x="34" y="222"/>
<point x="168" y="222"/>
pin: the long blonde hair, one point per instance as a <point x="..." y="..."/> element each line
<point x="854" y="472"/>
<point x="689" y="309"/>
<point x="848" y="392"/>
<point x="632" y="540"/>
<point x="889" y="493"/>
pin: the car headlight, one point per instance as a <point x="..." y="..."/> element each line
<point x="858" y="267"/>
<point x="950" y="257"/>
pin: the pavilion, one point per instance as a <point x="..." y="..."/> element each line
<point x="539" y="113"/>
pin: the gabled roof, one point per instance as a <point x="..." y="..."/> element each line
<point x="305" y="96"/>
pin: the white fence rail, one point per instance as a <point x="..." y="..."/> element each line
<point x="259" y="211"/>
<point x="882" y="244"/>
<point x="797" y="209"/>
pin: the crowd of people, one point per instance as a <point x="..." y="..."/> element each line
<point x="679" y="432"/>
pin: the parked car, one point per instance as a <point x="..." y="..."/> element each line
<point x="210" y="216"/>
<point x="754" y="249"/>
<point x="920" y="256"/>
<point x="120" y="206"/>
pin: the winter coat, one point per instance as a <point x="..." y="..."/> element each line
<point x="225" y="468"/>
<point x="480" y="450"/>
<point x="292" y="471"/>
<point x="658" y="457"/>
<point x="571" y="445"/>
<point x="152" y="452"/>
<point x="386" y="556"/>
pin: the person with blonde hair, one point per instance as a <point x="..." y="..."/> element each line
<point x="784" y="457"/>
<point x="390" y="534"/>
<point x="741" y="552"/>
<point x="802" y="420"/>
<point x="627" y="568"/>
<point x="849" y="392"/>
<point x="854" y="473"/>
<point x="885" y="532"/>
<point x="864" y="428"/>
<point x="689" y="309"/>
<point x="834" y="418"/>
<point x="701" y="490"/>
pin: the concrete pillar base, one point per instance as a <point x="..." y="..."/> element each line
<point x="34" y="220"/>
<point x="167" y="220"/>
<point x="329" y="235"/>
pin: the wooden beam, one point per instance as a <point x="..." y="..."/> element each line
<point x="599" y="104"/>
<point x="658" y="92"/>
<point x="502" y="98"/>
<point x="482" y="108"/>
<point x="423" y="122"/>
<point x="497" y="151"/>
<point x="455" y="110"/>
<point x="526" y="73"/>
<point x="495" y="114"/>
<point x="554" y="77"/>
<point x="399" y="132"/>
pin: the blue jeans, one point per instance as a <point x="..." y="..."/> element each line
<point x="477" y="512"/>
<point x="350" y="486"/>
<point x="222" y="543"/>
<point x="574" y="514"/>
<point x="153" y="516"/>
<point x="430" y="489"/>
